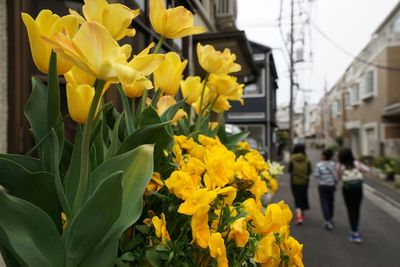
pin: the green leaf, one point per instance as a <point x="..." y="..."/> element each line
<point x="29" y="163"/>
<point x="37" y="188"/>
<point x="128" y="256"/>
<point x="153" y="257"/>
<point x="31" y="234"/>
<point x="127" y="110"/>
<point x="71" y="179"/>
<point x="169" y="114"/>
<point x="35" y="110"/>
<point x="137" y="166"/>
<point x="95" y="218"/>
<point x="112" y="150"/>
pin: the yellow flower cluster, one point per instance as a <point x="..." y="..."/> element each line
<point x="210" y="181"/>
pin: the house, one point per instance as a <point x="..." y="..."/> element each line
<point x="364" y="103"/>
<point x="218" y="16"/>
<point x="258" y="114"/>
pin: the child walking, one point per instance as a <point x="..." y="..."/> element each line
<point x="300" y="169"/>
<point x="325" y="173"/>
<point x="350" y="172"/>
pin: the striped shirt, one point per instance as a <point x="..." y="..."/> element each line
<point x="325" y="173"/>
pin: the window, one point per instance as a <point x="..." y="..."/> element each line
<point x="347" y="99"/>
<point x="368" y="84"/>
<point x="256" y="89"/>
<point x="256" y="137"/>
<point x="371" y="142"/>
<point x="396" y="25"/>
<point x="355" y="94"/>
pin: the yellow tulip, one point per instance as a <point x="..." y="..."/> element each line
<point x="191" y="89"/>
<point x="221" y="104"/>
<point x="173" y="22"/>
<point x="216" y="62"/>
<point x="268" y="252"/>
<point x="47" y="25"/>
<point x="200" y="228"/>
<point x="217" y="249"/>
<point x="169" y="74"/>
<point x="164" y="103"/>
<point x="79" y="99"/>
<point x="160" y="225"/>
<point x="93" y="50"/>
<point x="115" y="17"/>
<point x="239" y="232"/>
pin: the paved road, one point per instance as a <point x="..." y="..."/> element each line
<point x="380" y="231"/>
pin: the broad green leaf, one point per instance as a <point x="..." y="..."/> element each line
<point x="95" y="218"/>
<point x="29" y="163"/>
<point x="149" y="116"/>
<point x="35" y="110"/>
<point x="66" y="157"/>
<point x="71" y="179"/>
<point x="37" y="188"/>
<point x="30" y="232"/>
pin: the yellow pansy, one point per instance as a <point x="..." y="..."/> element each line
<point x="244" y="145"/>
<point x="193" y="166"/>
<point x="254" y="214"/>
<point x="277" y="215"/>
<point x="188" y="144"/>
<point x="191" y="89"/>
<point x="239" y="232"/>
<point x="181" y="185"/>
<point x="160" y="226"/>
<point x="220" y="165"/>
<point x="200" y="198"/>
<point x="257" y="160"/>
<point x="229" y="194"/>
<point x="244" y="170"/>
<point x="173" y="22"/>
<point x="258" y="189"/>
<point x="208" y="141"/>
<point x="200" y="228"/>
<point x="93" y="50"/>
<point x="79" y="99"/>
<point x="47" y="25"/>
<point x="115" y="17"/>
<point x="294" y="250"/>
<point x="216" y="62"/>
<point x="155" y="183"/>
<point x="217" y="249"/>
<point x="167" y="101"/>
<point x="267" y="252"/>
<point x="143" y="65"/>
<point x="169" y="73"/>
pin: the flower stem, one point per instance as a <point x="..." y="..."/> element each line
<point x="145" y="93"/>
<point x="200" y="115"/>
<point x="84" y="174"/>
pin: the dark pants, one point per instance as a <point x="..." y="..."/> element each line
<point x="300" y="194"/>
<point x="326" y="196"/>
<point x="353" y="197"/>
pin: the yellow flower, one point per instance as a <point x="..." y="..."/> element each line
<point x="199" y="199"/>
<point x="188" y="144"/>
<point x="76" y="77"/>
<point x="169" y="73"/>
<point x="223" y="85"/>
<point x="196" y="104"/>
<point x="79" y="99"/>
<point x="257" y="160"/>
<point x="160" y="225"/>
<point x="143" y="65"/>
<point x="221" y="104"/>
<point x="268" y="252"/>
<point x="193" y="166"/>
<point x="47" y="25"/>
<point x="208" y="141"/>
<point x="239" y="232"/>
<point x="244" y="170"/>
<point x="191" y="89"/>
<point x="115" y="17"/>
<point x="220" y="166"/>
<point x="155" y="184"/>
<point x="216" y="62"/>
<point x="217" y="249"/>
<point x="181" y="185"/>
<point x="244" y="145"/>
<point x="277" y="215"/>
<point x="213" y="125"/>
<point x="164" y="103"/>
<point x="258" y="189"/>
<point x="200" y="228"/>
<point x="173" y="22"/>
<point x="93" y="50"/>
<point x="229" y="194"/>
<point x="294" y="250"/>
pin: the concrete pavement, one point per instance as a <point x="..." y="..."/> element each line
<point x="380" y="228"/>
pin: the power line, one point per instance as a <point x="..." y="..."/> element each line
<point x="357" y="58"/>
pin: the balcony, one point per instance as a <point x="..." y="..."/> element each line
<point x="225" y="14"/>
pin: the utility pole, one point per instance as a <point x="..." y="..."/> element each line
<point x="291" y="72"/>
<point x="325" y="115"/>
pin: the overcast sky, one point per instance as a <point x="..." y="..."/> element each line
<point x="350" y="23"/>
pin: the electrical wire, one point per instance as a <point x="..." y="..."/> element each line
<point x="343" y="50"/>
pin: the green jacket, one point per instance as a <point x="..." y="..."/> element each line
<point x="300" y="168"/>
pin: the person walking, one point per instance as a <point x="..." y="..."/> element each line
<point x="300" y="169"/>
<point x="350" y="172"/>
<point x="325" y="173"/>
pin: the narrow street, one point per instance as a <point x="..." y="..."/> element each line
<point x="380" y="227"/>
